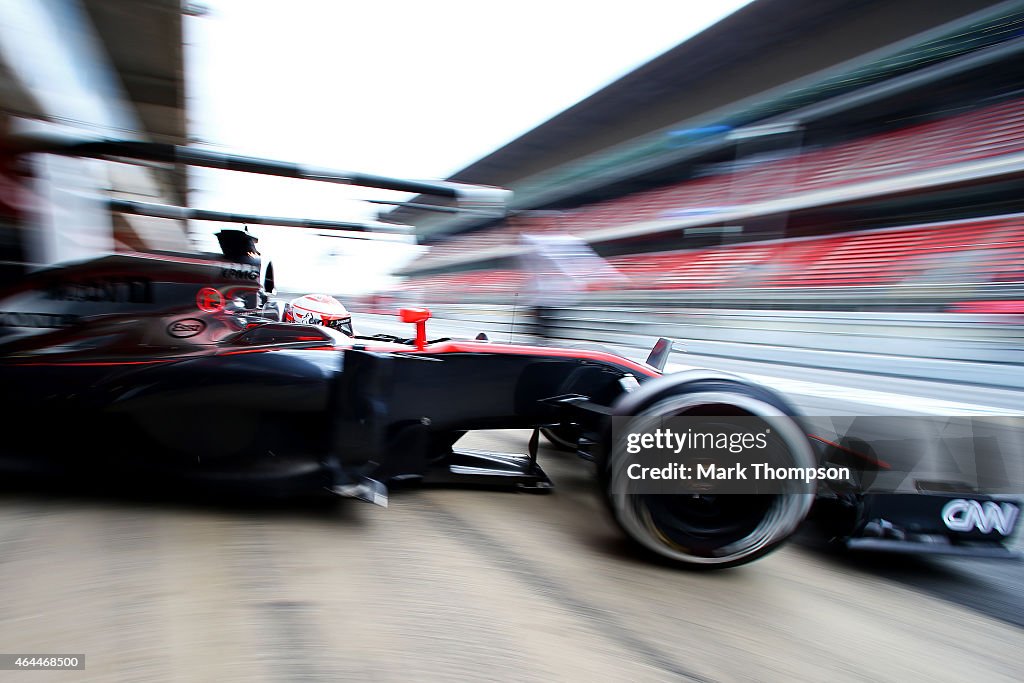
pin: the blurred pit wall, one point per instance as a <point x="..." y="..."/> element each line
<point x="951" y="347"/>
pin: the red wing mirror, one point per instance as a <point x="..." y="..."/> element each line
<point x="418" y="316"/>
<point x="414" y="315"/>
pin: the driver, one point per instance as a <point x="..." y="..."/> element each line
<point x="319" y="309"/>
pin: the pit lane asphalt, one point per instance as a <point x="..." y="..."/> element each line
<point x="452" y="584"/>
<point x="448" y="584"/>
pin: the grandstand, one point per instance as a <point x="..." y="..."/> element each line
<point x="890" y="162"/>
<point x="973" y="252"/>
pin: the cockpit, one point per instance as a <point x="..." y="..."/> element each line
<point x="286" y="333"/>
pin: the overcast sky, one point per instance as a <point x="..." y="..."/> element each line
<point x="407" y="88"/>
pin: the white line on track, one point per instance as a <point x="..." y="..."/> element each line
<point x="903" y="402"/>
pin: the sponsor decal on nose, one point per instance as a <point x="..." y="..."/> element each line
<point x="968" y="515"/>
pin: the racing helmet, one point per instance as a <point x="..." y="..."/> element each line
<point x="319" y="309"/>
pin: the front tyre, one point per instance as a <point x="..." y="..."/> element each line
<point x="707" y="531"/>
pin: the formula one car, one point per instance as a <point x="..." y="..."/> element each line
<point x="291" y="408"/>
<point x="180" y="381"/>
<point x="188" y="395"/>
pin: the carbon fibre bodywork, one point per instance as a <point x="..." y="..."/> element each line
<point x="276" y="403"/>
<point x="284" y="409"/>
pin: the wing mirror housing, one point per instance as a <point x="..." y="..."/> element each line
<point x="419" y="317"/>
